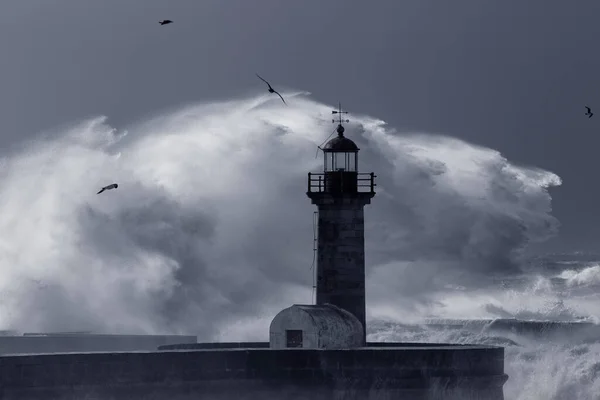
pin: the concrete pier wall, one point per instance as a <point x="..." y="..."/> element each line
<point x="373" y="373"/>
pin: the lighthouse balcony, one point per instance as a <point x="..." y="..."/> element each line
<point x="341" y="182"/>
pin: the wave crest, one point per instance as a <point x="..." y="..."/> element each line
<point x="210" y="227"/>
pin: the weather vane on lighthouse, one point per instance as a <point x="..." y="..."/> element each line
<point x="340" y="112"/>
<point x="340" y="129"/>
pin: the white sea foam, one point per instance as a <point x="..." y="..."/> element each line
<point x="210" y="231"/>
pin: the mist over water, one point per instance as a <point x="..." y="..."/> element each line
<point x="210" y="233"/>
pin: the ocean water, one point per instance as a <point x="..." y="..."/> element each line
<point x="552" y="351"/>
<point x="210" y="232"/>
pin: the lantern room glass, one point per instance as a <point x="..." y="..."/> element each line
<point x="340" y="161"/>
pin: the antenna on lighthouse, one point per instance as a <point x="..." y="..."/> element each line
<point x="340" y="128"/>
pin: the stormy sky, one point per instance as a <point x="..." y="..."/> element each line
<point x="510" y="75"/>
<point x="210" y="221"/>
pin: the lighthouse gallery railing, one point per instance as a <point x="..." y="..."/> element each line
<point x="362" y="182"/>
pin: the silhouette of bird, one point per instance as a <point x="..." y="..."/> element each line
<point x="109" y="187"/>
<point x="271" y="90"/>
<point x="589" y="112"/>
<point x="165" y="22"/>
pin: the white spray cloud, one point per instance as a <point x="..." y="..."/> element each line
<point x="210" y="230"/>
<point x="587" y="276"/>
<point x="542" y="367"/>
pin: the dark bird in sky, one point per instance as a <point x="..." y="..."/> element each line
<point x="271" y="90"/>
<point x="109" y="187"/>
<point x="165" y="22"/>
<point x="589" y="112"/>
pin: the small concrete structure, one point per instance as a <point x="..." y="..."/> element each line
<point x="315" y="327"/>
<point x="33" y="343"/>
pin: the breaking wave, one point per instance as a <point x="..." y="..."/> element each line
<point x="210" y="232"/>
<point x="543" y="362"/>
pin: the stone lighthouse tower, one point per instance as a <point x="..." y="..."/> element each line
<point x="340" y="192"/>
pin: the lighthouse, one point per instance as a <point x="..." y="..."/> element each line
<point x="340" y="193"/>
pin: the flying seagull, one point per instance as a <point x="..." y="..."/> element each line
<point x="271" y="90"/>
<point x="109" y="187"/>
<point x="165" y="22"/>
<point x="589" y="112"/>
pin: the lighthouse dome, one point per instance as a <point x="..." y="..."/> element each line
<point x="340" y="143"/>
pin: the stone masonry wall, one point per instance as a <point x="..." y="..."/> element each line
<point x="341" y="254"/>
